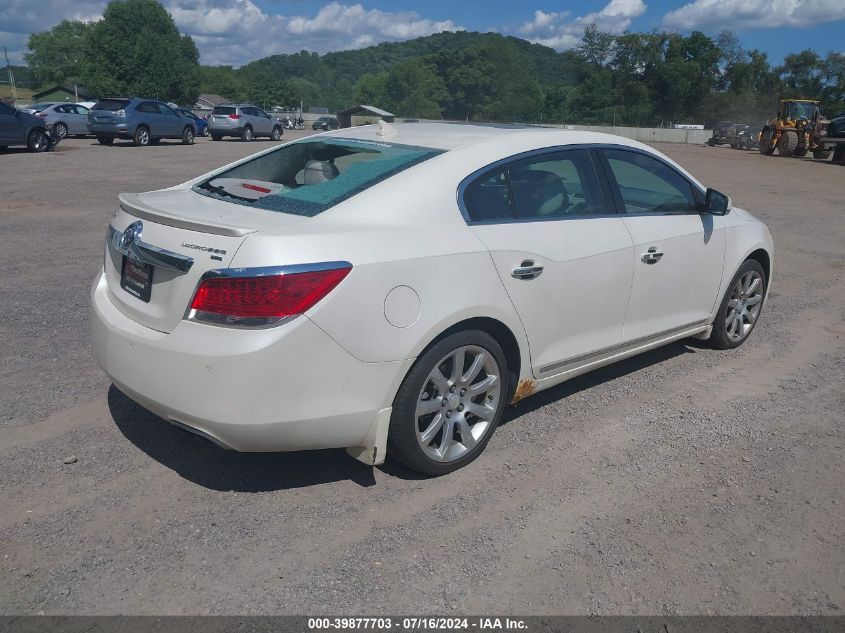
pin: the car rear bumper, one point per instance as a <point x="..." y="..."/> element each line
<point x="225" y="130"/>
<point x="286" y="388"/>
<point x="114" y="130"/>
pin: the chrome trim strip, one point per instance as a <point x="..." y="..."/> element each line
<point x="149" y="254"/>
<point x="208" y="318"/>
<point x="585" y="359"/>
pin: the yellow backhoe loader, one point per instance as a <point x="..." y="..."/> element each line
<point x="796" y="130"/>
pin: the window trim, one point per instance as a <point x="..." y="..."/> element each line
<point x="697" y="192"/>
<point x="609" y="188"/>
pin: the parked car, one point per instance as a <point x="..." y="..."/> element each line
<point x="21" y="128"/>
<point x="743" y="136"/>
<point x="325" y="123"/>
<point x="202" y="124"/>
<point x="35" y="108"/>
<point x="720" y="133"/>
<point x="244" y="121"/>
<point x="143" y="121"/>
<point x="391" y="288"/>
<point x="66" y="118"/>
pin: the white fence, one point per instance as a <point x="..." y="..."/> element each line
<point x="647" y="134"/>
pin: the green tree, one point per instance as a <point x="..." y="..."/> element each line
<point x="371" y="89"/>
<point x="56" y="55"/>
<point x="136" y="49"/>
<point x="415" y="90"/>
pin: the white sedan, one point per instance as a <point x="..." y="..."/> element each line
<point x="388" y="289"/>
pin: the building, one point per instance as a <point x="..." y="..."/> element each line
<point x="206" y="102"/>
<point x="71" y="94"/>
<point x="363" y="115"/>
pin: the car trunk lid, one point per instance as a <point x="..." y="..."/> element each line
<point x="173" y="237"/>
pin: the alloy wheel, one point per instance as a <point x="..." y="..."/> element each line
<point x="744" y="305"/>
<point x="458" y="403"/>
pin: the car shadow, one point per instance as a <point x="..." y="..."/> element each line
<point x="206" y="464"/>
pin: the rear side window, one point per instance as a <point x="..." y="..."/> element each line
<point x="648" y="185"/>
<point x="148" y="107"/>
<point x="307" y="177"/>
<point x="111" y="104"/>
<point x="223" y="110"/>
<point x="488" y="197"/>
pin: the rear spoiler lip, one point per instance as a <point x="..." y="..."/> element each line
<point x="131" y="203"/>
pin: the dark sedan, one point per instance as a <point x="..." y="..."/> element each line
<point x="325" y="123"/>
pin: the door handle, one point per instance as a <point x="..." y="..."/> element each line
<point x="652" y="256"/>
<point x="527" y="270"/>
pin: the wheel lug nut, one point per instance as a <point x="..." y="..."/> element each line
<point x="444" y="402"/>
<point x="460" y="407"/>
<point x="452" y="389"/>
<point x="463" y="392"/>
<point x="448" y="414"/>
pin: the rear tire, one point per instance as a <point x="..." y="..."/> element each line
<point x="142" y="136"/>
<point x="765" y="146"/>
<point x="246" y="135"/>
<point x="214" y="137"/>
<point x="787" y="143"/>
<point x="188" y="136"/>
<point x="839" y="154"/>
<point x="60" y="130"/>
<point x="737" y="316"/>
<point x="37" y="141"/>
<point x="430" y="407"/>
<point x="821" y="154"/>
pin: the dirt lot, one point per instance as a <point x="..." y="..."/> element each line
<point x="683" y="481"/>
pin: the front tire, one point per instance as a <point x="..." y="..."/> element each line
<point x="60" y="130"/>
<point x="188" y="136"/>
<point x="787" y="143"/>
<point x="740" y="308"/>
<point x="105" y="140"/>
<point x="277" y="133"/>
<point x="765" y="146"/>
<point x="215" y="137"/>
<point x="449" y="404"/>
<point x="38" y="141"/>
<point x="821" y="154"/>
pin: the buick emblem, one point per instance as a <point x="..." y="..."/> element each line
<point x="132" y="233"/>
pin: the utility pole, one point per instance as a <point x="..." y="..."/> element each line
<point x="14" y="90"/>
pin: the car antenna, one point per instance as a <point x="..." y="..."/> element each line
<point x="385" y="129"/>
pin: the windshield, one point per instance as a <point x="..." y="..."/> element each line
<point x="803" y="110"/>
<point x="307" y="177"/>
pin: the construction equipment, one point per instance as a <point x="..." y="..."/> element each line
<point x="796" y="130"/>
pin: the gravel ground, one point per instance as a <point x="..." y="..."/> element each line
<point x="682" y="481"/>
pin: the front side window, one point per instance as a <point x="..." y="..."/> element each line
<point x="308" y="177"/>
<point x="647" y="185"/>
<point x="148" y="107"/>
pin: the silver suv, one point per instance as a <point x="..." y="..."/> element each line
<point x="244" y="120"/>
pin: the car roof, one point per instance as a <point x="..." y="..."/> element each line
<point x="451" y="136"/>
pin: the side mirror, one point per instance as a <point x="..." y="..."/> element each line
<point x="716" y="202"/>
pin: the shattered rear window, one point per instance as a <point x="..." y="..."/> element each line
<point x="307" y="177"/>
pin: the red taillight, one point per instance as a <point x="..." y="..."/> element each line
<point x="41" y="116"/>
<point x="248" y="185"/>
<point x="234" y="116"/>
<point x="262" y="300"/>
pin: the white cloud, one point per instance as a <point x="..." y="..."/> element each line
<point x="561" y="30"/>
<point x="235" y="31"/>
<point x="744" y="14"/>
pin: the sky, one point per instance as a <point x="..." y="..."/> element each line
<point x="237" y="31"/>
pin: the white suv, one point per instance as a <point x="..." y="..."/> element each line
<point x="243" y="120"/>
